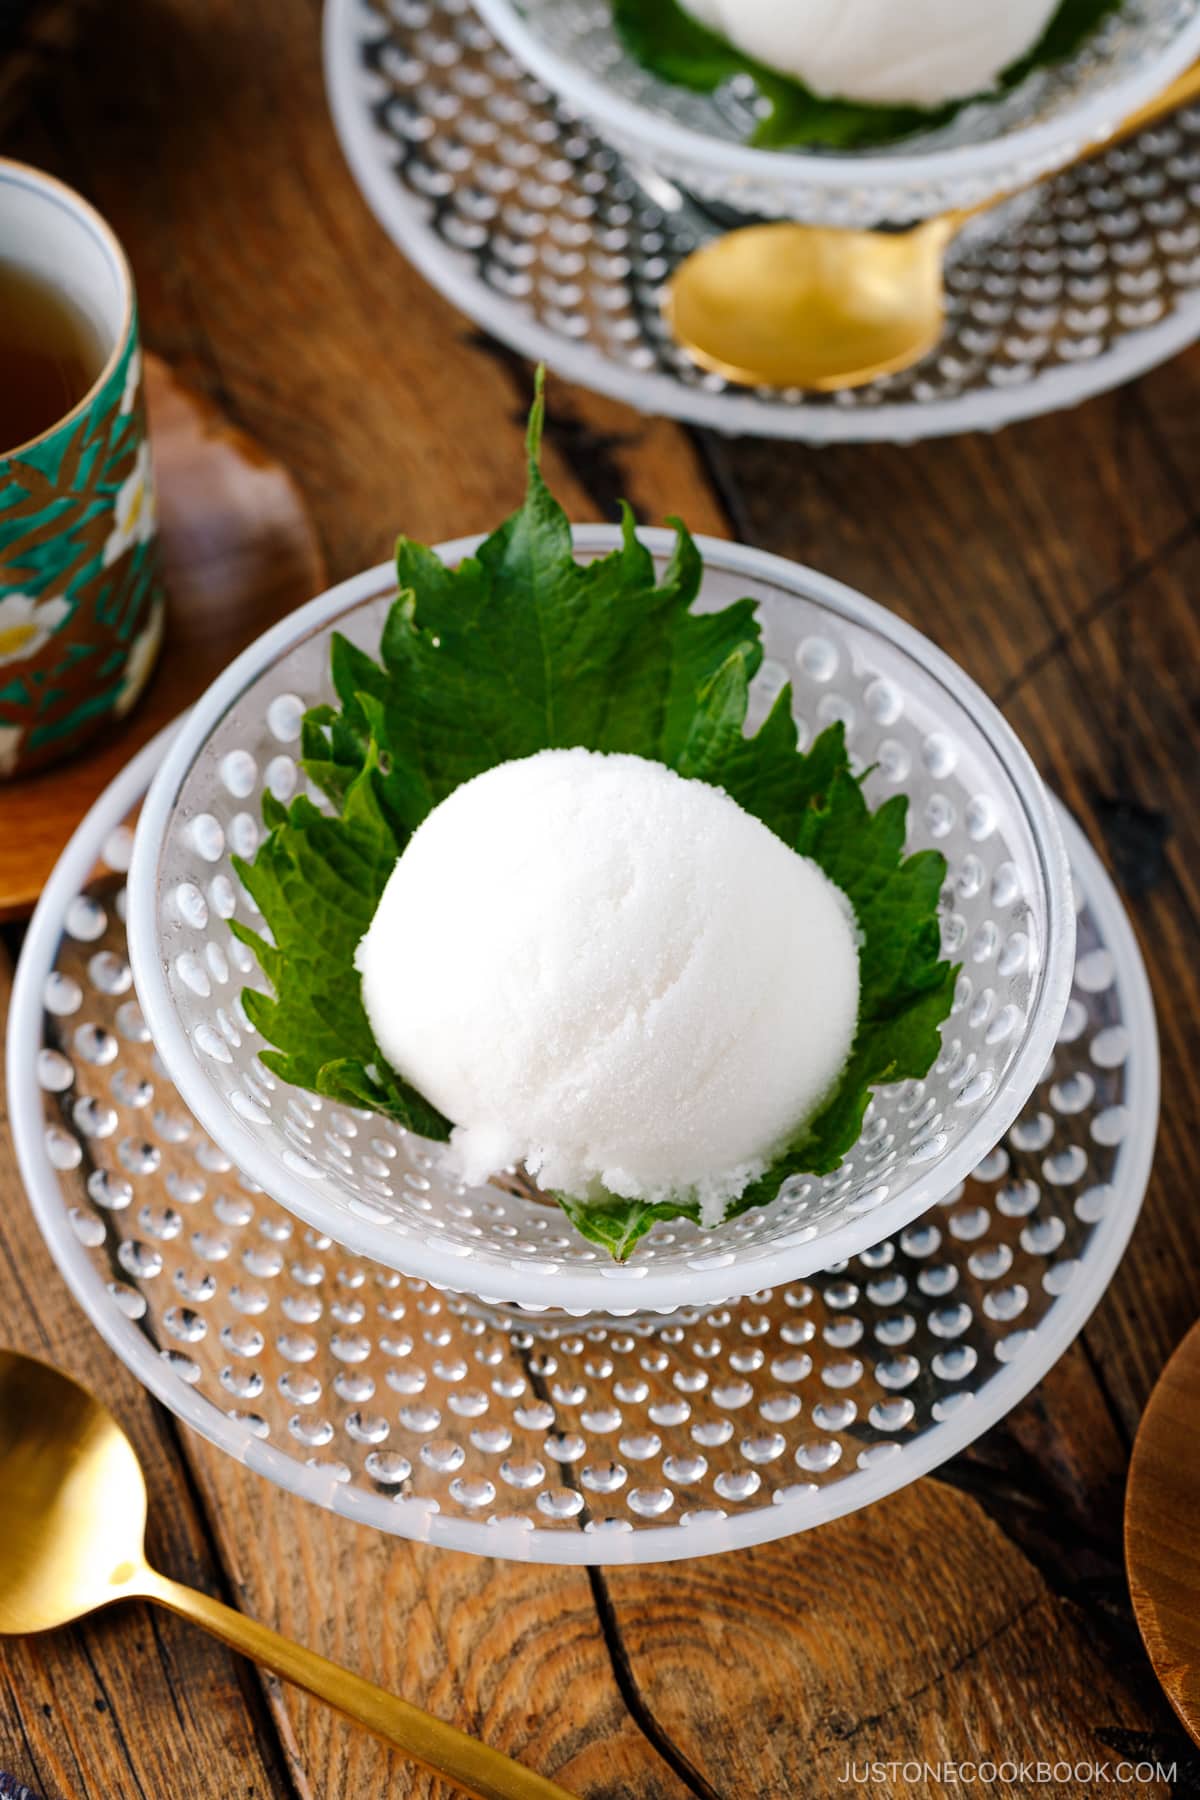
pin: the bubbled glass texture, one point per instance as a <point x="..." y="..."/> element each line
<point x="574" y="1440"/>
<point x="538" y="226"/>
<point x="1003" y="915"/>
<point x="582" y="38"/>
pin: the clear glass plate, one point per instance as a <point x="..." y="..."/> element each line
<point x="558" y="1440"/>
<point x="534" y="227"/>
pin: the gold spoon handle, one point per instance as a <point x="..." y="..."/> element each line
<point x="484" y="1773"/>
<point x="1177" y="93"/>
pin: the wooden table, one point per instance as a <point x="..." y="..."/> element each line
<point x="983" y="1614"/>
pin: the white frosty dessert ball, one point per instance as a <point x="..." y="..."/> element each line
<point x="905" y="52"/>
<point x="612" y="975"/>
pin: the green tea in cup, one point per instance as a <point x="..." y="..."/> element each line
<point x="81" y="608"/>
<point x="50" y="354"/>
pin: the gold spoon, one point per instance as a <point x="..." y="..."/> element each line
<point x="72" y="1513"/>
<point x="814" y="306"/>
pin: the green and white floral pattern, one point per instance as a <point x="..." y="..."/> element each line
<point x="80" y="612"/>
<point x="26" y="624"/>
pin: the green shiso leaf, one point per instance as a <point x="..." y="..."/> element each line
<point x="522" y="648"/>
<point x="519" y="649"/>
<point x="616" y="1224"/>
<point x="317" y="881"/>
<point x="665" y="39"/>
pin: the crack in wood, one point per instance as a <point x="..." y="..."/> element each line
<point x="614" y="1642"/>
<point x="591" y="455"/>
<point x="631" y="1693"/>
<point x="1096" y="1368"/>
<point x="80" y="1634"/>
<point x="44" y="1342"/>
<point x="24" y="1735"/>
<point x="1107" y="598"/>
<point x="262" y="1692"/>
<point x="1133" y="398"/>
<point x="844" y="1734"/>
<point x="165" y="1663"/>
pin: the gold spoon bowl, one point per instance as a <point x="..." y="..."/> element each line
<point x="813" y="306"/>
<point x="72" y="1518"/>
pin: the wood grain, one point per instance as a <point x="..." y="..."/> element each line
<point x="1071" y="599"/>
<point x="909" y="1633"/>
<point x="994" y="545"/>
<point x="1162" y="1530"/>
<point x="394" y="415"/>
<point x="512" y="1653"/>
<point x="516" y="1655"/>
<point x="1113" y="719"/>
<point x="238" y="551"/>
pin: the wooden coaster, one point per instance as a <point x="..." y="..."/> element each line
<point x="238" y="551"/>
<point x="1162" y="1530"/>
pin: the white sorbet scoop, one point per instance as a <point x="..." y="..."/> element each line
<point x="612" y="975"/>
<point x="905" y="52"/>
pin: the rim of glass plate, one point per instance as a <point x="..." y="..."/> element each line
<point x="712" y="1276"/>
<point x="733" y="410"/>
<point x="413" y="1518"/>
<point x="1083" y="123"/>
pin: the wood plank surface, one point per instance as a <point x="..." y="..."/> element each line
<point x="983" y="1612"/>
<point x="1113" y="718"/>
<point x="1089" y="645"/>
<point x="515" y="1654"/>
<point x="912" y="1633"/>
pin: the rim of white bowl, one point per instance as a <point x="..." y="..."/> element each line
<point x="713" y="1276"/>
<point x="1065" y="1319"/>
<point x="1091" y="119"/>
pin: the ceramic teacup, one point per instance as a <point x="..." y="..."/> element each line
<point x="81" y="611"/>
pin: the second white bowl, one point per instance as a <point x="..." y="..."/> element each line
<point x="991" y="147"/>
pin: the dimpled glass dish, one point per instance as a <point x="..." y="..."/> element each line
<point x="598" y="1441"/>
<point x="532" y="225"/>
<point x="911" y="716"/>
<point x="990" y="147"/>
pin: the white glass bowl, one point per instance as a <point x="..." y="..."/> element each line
<point x="912" y="717"/>
<point x="991" y="147"/>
